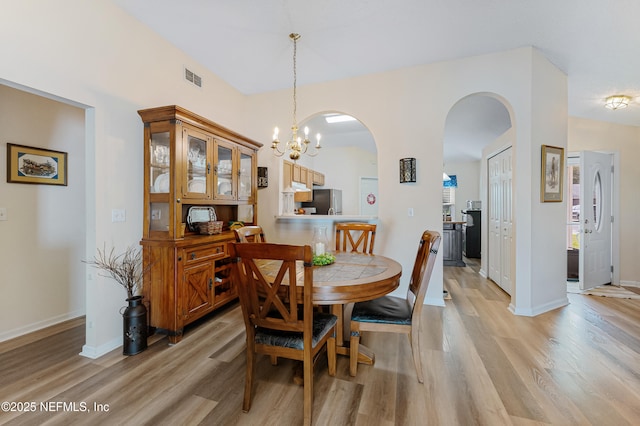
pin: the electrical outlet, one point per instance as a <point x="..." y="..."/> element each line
<point x="118" y="215"/>
<point x="410" y="212"/>
<point x="3" y="214"/>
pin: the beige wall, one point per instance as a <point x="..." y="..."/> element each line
<point x="590" y="135"/>
<point x="42" y="242"/>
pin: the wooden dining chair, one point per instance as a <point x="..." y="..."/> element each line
<point x="278" y="314"/>
<point x="352" y="236"/>
<point x="395" y="314"/>
<point x="250" y="234"/>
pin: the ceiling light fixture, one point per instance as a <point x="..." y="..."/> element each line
<point x="296" y="145"/>
<point x="617" y="102"/>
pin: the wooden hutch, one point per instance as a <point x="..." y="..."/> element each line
<point x="190" y="161"/>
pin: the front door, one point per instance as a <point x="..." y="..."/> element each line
<point x="595" y="219"/>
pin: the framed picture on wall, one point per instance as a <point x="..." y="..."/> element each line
<point x="26" y="164"/>
<point x="552" y="174"/>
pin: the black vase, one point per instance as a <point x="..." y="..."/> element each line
<point x="134" y="327"/>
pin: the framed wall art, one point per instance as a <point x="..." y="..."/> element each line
<point x="552" y="174"/>
<point x="26" y="164"/>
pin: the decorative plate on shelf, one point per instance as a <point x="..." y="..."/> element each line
<point x="162" y="183"/>
<point x="198" y="185"/>
<point x="224" y="188"/>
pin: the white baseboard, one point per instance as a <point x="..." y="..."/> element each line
<point x="630" y="283"/>
<point x="537" y="310"/>
<point x="434" y="301"/>
<point x="94" y="352"/>
<point x="29" y="328"/>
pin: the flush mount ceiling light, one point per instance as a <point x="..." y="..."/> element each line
<point x="296" y="145"/>
<point x="617" y="102"/>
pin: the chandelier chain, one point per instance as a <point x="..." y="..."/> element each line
<point x="296" y="146"/>
<point x="295" y="78"/>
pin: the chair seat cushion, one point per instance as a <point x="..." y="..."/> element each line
<point x="387" y="309"/>
<point x="322" y="323"/>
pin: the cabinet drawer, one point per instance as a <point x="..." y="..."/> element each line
<point x="209" y="251"/>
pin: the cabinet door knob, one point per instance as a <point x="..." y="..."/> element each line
<point x="178" y="200"/>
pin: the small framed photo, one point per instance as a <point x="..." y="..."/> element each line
<point x="552" y="174"/>
<point x="26" y="164"/>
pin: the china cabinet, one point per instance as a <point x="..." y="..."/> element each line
<point x="191" y="162"/>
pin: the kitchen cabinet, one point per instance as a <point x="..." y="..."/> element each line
<point x="291" y="173"/>
<point x="318" y="178"/>
<point x="191" y="161"/>
<point x="452" y="244"/>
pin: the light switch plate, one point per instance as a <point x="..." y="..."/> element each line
<point x="3" y="213"/>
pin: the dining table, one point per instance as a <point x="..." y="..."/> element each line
<point x="353" y="277"/>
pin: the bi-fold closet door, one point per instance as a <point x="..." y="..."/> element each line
<point x="500" y="221"/>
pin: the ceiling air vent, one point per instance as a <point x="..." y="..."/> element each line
<point x="192" y="77"/>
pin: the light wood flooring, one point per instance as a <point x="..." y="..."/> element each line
<point x="577" y="365"/>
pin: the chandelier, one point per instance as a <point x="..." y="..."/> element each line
<point x="296" y="146"/>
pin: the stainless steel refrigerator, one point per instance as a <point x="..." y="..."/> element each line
<point x="325" y="199"/>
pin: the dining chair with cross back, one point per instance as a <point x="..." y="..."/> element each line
<point x="395" y="314"/>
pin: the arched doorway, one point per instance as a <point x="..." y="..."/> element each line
<point x="474" y="152"/>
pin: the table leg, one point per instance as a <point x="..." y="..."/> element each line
<point x="365" y="355"/>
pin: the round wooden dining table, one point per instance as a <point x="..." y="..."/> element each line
<point x="353" y="277"/>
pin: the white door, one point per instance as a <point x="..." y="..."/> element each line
<point x="494" y="242"/>
<point x="369" y="196"/>
<point x="595" y="219"/>
<point x="506" y="221"/>
<point x="500" y="218"/>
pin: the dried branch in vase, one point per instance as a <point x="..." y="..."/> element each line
<point x="125" y="268"/>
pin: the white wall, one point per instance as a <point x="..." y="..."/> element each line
<point x="590" y="135"/>
<point x="42" y="242"/>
